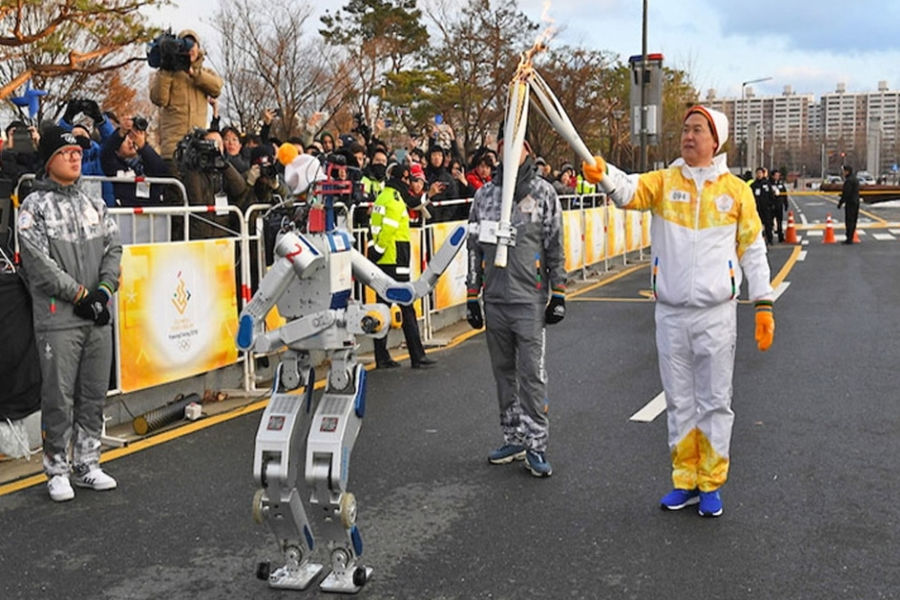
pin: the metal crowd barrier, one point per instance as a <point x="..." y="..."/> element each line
<point x="153" y="225"/>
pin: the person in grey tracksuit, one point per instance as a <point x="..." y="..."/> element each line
<point x="71" y="254"/>
<point x="516" y="306"/>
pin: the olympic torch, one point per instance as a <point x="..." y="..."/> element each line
<point x="550" y="108"/>
<point x="513" y="141"/>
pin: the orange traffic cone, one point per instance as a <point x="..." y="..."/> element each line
<point x="790" y="236"/>
<point x="829" y="231"/>
<point x="856" y="236"/>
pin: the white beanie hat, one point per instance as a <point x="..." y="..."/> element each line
<point x="718" y="123"/>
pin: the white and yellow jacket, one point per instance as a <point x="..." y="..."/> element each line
<point x="703" y="243"/>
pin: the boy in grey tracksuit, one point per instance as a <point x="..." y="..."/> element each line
<point x="516" y="307"/>
<point x="70" y="260"/>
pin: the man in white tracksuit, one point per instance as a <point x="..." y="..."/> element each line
<point x="703" y="243"/>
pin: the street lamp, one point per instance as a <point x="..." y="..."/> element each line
<point x="747" y="117"/>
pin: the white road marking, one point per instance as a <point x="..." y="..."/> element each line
<point x="651" y="410"/>
<point x="883" y="236"/>
<point x="815" y="233"/>
<point x="803" y="219"/>
<point x="801" y="256"/>
<point x="782" y="287"/>
<point x="804" y="242"/>
<point x="895" y="231"/>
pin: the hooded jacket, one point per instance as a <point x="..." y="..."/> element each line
<point x="536" y="264"/>
<point x="68" y="240"/>
<point x="181" y="98"/>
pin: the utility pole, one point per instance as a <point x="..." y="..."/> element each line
<point x="644" y="92"/>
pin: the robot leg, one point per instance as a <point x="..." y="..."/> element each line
<point x="278" y="443"/>
<point x="333" y="433"/>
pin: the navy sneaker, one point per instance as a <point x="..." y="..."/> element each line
<point x="506" y="454"/>
<point x="538" y="464"/>
<point x="710" y="504"/>
<point x="678" y="499"/>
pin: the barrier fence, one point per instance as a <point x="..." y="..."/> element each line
<point x="178" y="300"/>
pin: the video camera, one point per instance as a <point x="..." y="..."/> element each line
<point x="139" y="123"/>
<point x="195" y="153"/>
<point x="170" y="52"/>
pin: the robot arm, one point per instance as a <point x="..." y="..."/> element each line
<point x="296" y="257"/>
<point x="405" y="293"/>
<point x="383" y="284"/>
<point x="441" y="260"/>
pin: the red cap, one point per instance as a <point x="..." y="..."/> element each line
<point x="416" y="171"/>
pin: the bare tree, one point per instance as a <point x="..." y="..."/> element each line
<point x="268" y="62"/>
<point x="63" y="44"/>
<point x="479" y="49"/>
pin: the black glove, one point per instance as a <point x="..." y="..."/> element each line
<point x="92" y="109"/>
<point x="93" y="307"/>
<point x="556" y="310"/>
<point x="72" y="110"/>
<point x="473" y="314"/>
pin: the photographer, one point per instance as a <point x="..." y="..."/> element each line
<point x="20" y="154"/>
<point x="180" y="89"/>
<point x="262" y="178"/>
<point x="210" y="180"/>
<point x="90" y="161"/>
<point x="126" y="153"/>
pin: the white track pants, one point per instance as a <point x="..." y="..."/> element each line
<point x="696" y="363"/>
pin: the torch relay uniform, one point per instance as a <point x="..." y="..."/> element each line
<point x="70" y="245"/>
<point x="706" y="237"/>
<point x="515" y="300"/>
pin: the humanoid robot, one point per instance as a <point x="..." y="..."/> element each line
<point x="310" y="282"/>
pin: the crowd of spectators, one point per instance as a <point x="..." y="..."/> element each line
<point x="220" y="163"/>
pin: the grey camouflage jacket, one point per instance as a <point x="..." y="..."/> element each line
<point x="536" y="264"/>
<point x="67" y="239"/>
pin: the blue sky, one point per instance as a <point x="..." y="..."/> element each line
<point x="810" y="46"/>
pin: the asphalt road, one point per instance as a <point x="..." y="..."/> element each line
<point x="811" y="508"/>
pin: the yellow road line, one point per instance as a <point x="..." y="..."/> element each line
<point x="786" y="268"/>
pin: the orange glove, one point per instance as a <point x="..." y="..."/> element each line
<point x="594" y="172"/>
<point x="765" y="325"/>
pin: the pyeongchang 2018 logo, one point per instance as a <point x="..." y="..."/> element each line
<point x="183" y="330"/>
<point x="182" y="295"/>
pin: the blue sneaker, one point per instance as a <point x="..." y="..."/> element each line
<point x="538" y="464"/>
<point x="506" y="454"/>
<point x="710" y="504"/>
<point x="678" y="499"/>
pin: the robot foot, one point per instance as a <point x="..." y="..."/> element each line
<point x="348" y="581"/>
<point x="290" y="577"/>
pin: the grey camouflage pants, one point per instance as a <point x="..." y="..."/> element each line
<point x="75" y="370"/>
<point x="515" y="339"/>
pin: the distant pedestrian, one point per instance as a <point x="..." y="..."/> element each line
<point x="850" y="201"/>
<point x="780" y="204"/>
<point x="765" y="200"/>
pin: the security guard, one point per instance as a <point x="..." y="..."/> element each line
<point x="389" y="248"/>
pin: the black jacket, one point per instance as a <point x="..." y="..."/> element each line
<point x="850" y="191"/>
<point x="147" y="163"/>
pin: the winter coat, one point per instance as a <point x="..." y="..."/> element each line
<point x="68" y="240"/>
<point x="182" y="101"/>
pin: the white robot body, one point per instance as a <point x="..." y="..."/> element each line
<point x="311" y="283"/>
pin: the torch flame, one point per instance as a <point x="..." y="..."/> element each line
<point x="526" y="63"/>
